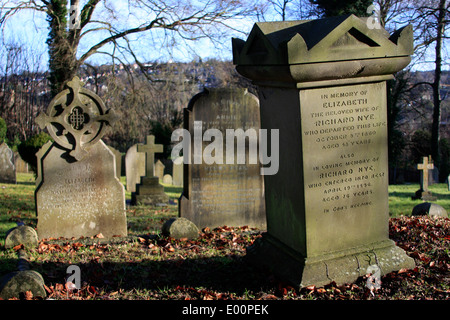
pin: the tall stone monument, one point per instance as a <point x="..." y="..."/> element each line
<point x="223" y="192"/>
<point x="78" y="193"/>
<point x="7" y="167"/>
<point x="322" y="84"/>
<point x="149" y="191"/>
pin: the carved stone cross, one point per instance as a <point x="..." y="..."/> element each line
<point x="76" y="118"/>
<point x="425" y="166"/>
<point x="150" y="149"/>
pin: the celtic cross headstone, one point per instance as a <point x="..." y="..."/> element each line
<point x="78" y="192"/>
<point x="76" y="119"/>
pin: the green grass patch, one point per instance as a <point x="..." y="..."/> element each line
<point x="401" y="203"/>
<point x="147" y="265"/>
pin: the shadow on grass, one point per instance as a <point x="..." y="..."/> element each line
<point x="26" y="183"/>
<point x="408" y="195"/>
<point x="222" y="274"/>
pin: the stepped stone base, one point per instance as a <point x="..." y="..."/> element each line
<point x="149" y="192"/>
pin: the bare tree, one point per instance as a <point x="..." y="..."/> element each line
<point x="280" y="7"/>
<point x="174" y="20"/>
<point x="22" y="89"/>
<point x="430" y="23"/>
<point x="430" y="19"/>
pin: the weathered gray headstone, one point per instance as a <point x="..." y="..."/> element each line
<point x="179" y="228"/>
<point x="134" y="167"/>
<point x="25" y="235"/>
<point x="322" y="84"/>
<point x="177" y="178"/>
<point x="149" y="191"/>
<point x="19" y="282"/>
<point x="21" y="165"/>
<point x="431" y="209"/>
<point x="217" y="193"/>
<point x="78" y="193"/>
<point x="118" y="156"/>
<point x="7" y="167"/>
<point x="167" y="179"/>
<point x="159" y="169"/>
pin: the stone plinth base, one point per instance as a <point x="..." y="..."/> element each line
<point x="341" y="267"/>
<point x="424" y="195"/>
<point x="149" y="192"/>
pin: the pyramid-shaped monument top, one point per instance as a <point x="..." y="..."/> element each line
<point x="334" y="39"/>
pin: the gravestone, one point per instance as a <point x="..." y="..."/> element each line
<point x="13" y="284"/>
<point x="25" y="235"/>
<point x="7" y="167"/>
<point x="431" y="209"/>
<point x="118" y="156"/>
<point x="222" y="192"/>
<point x="322" y="84"/>
<point x="18" y="283"/>
<point x="167" y="179"/>
<point x="433" y="176"/>
<point x="159" y="169"/>
<point x="177" y="178"/>
<point x="425" y="168"/>
<point x="149" y="191"/>
<point x="180" y="228"/>
<point x="134" y="167"/>
<point x="78" y="193"/>
<point x="20" y="164"/>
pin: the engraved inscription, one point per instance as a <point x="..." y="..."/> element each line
<point x="229" y="190"/>
<point x="345" y="134"/>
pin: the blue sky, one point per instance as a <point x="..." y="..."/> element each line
<point x="29" y="28"/>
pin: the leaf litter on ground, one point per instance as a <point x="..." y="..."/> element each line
<point x="212" y="267"/>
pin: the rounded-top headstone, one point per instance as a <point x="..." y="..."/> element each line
<point x="25" y="235"/>
<point x="167" y="179"/>
<point x="430" y="209"/>
<point x="179" y="228"/>
<point x="15" y="283"/>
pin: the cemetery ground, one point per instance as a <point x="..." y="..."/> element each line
<point x="147" y="265"/>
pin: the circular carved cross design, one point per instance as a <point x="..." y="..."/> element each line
<point x="76" y="118"/>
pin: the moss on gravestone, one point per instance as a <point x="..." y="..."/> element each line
<point x="16" y="283"/>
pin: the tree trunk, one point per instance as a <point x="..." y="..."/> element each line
<point x="437" y="85"/>
<point x="63" y="64"/>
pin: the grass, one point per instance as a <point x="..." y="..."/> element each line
<point x="149" y="266"/>
<point x="401" y="204"/>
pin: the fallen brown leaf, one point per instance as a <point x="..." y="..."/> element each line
<point x="18" y="247"/>
<point x="28" y="295"/>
